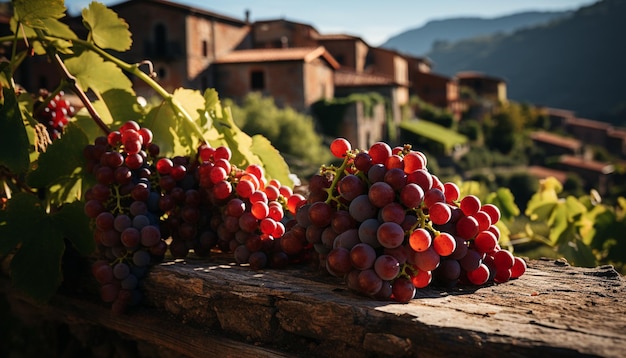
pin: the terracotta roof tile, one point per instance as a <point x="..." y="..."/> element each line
<point x="543" y="172"/>
<point x="583" y="122"/>
<point x="354" y="79"/>
<point x="582" y="163"/>
<point x="337" y="37"/>
<point x="546" y="137"/>
<point x="305" y="54"/>
<point x="475" y="74"/>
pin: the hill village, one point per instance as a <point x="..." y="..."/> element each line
<point x="298" y="67"/>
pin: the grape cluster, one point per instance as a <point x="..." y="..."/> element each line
<point x="55" y="115"/>
<point x="186" y="208"/>
<point x="143" y="206"/>
<point x="388" y="226"/>
<point x="123" y="204"/>
<point x="250" y="218"/>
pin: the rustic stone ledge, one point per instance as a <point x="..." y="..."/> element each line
<point x="203" y="308"/>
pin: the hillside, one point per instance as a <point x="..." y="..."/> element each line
<point x="420" y="40"/>
<point x="575" y="63"/>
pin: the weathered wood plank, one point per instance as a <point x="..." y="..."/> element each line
<point x="554" y="309"/>
<point x="155" y="328"/>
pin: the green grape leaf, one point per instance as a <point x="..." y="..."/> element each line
<point x="53" y="26"/>
<point x="174" y="133"/>
<point x="84" y="121"/>
<point x="559" y="223"/>
<point x="234" y="138"/>
<point x="541" y="212"/>
<point x="606" y="227"/>
<point x="212" y="101"/>
<point x="589" y="222"/>
<point x="274" y="164"/>
<point x="33" y="13"/>
<point x="91" y="71"/>
<point x="74" y="224"/>
<point x="106" y="29"/>
<point x="36" y="267"/>
<point x="122" y="106"/>
<point x="574" y="208"/>
<point x="162" y="122"/>
<point x="60" y="29"/>
<point x="62" y="160"/>
<point x="193" y="103"/>
<point x="12" y="219"/>
<point x="116" y="107"/>
<point x="576" y="252"/>
<point x="14" y="143"/>
<point x="505" y="201"/>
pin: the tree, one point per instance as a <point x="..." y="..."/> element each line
<point x="291" y="132"/>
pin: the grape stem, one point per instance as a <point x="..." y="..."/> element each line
<point x="407" y="271"/>
<point x="71" y="80"/>
<point x="338" y="175"/>
<point x="118" y="201"/>
<point x="424" y="223"/>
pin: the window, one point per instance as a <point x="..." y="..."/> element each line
<point x="160" y="39"/>
<point x="162" y="73"/>
<point x="257" y="80"/>
<point x="205" y="48"/>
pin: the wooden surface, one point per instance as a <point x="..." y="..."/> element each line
<point x="215" y="308"/>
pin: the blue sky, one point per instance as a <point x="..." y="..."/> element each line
<point x="373" y="20"/>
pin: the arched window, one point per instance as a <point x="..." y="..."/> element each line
<point x="160" y="39"/>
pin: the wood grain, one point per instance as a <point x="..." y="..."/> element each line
<point x="216" y="308"/>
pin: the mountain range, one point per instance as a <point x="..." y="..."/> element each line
<point x="419" y="41"/>
<point x="575" y="62"/>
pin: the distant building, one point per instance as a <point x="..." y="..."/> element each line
<point x="295" y="77"/>
<point x="595" y="174"/>
<point x="485" y="86"/>
<point x="558" y="118"/>
<point x="290" y="61"/>
<point x="588" y="131"/>
<point x="553" y="144"/>
<point x="181" y="41"/>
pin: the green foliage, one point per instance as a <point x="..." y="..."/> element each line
<point x="92" y="72"/>
<point x="292" y="133"/>
<point x="501" y="134"/>
<point x="472" y="129"/>
<point x="34" y="13"/>
<point x="522" y="185"/>
<point x="433" y="137"/>
<point x="42" y="186"/>
<point x="38" y="241"/>
<point x="329" y="113"/>
<point x="14" y="144"/>
<point x="431" y="113"/>
<point x="106" y="30"/>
